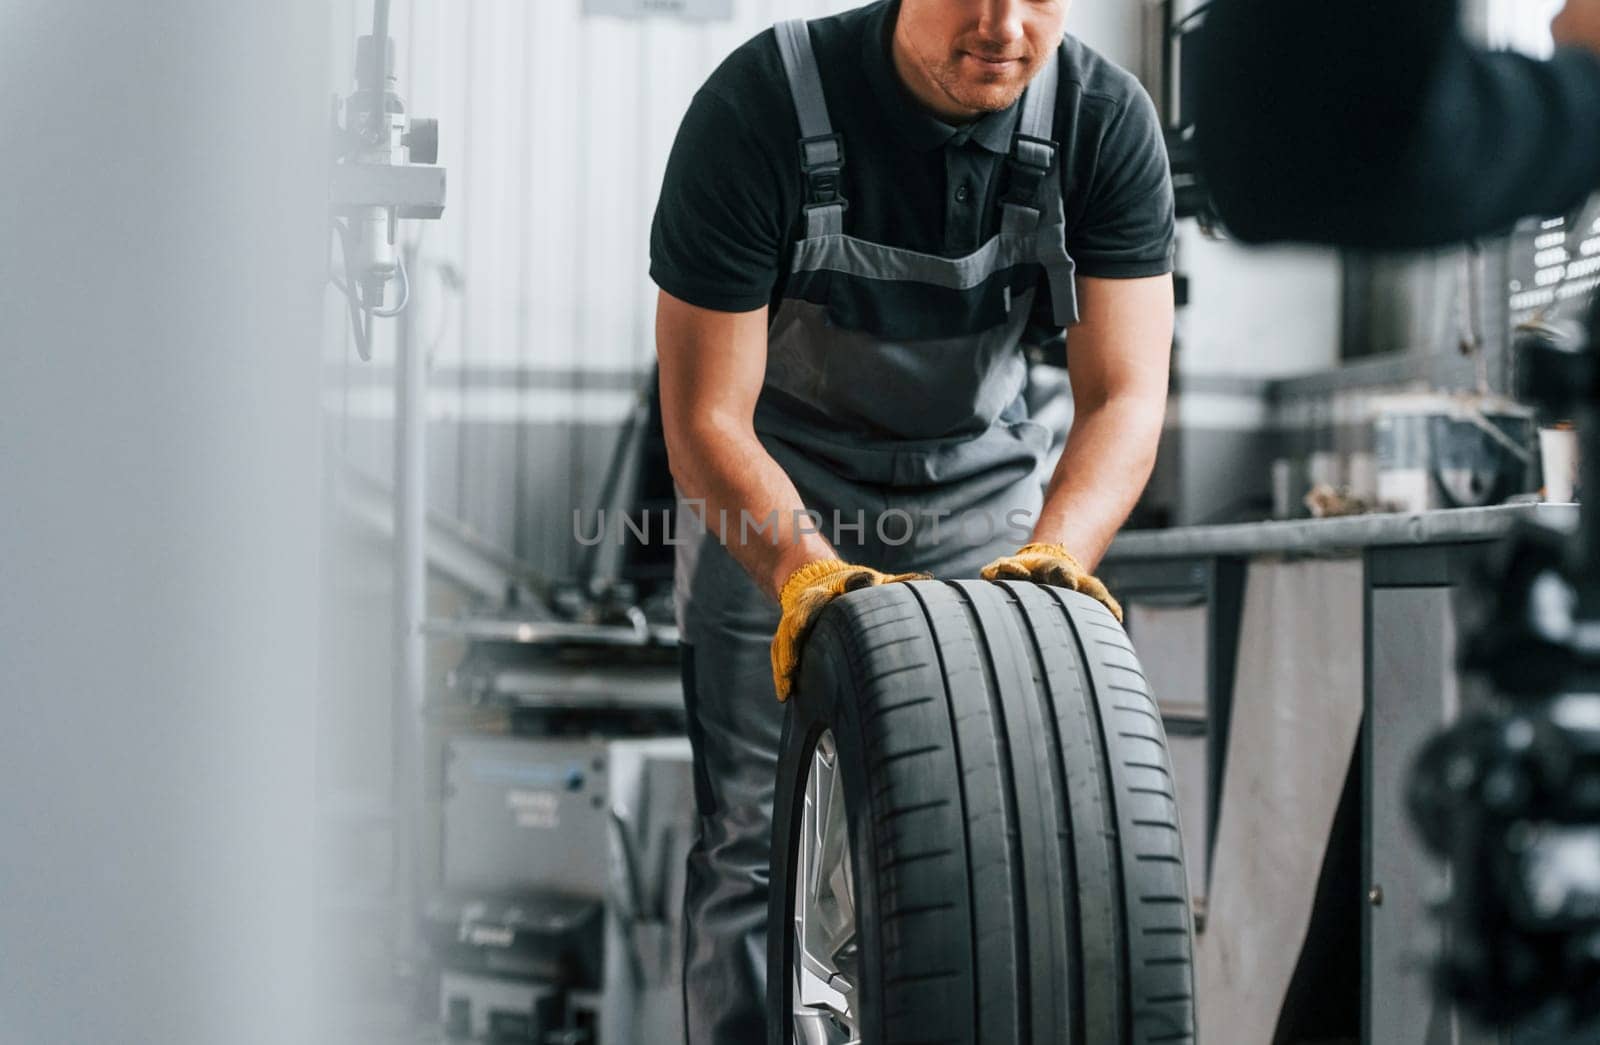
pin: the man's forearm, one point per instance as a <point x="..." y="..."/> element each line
<point x="1107" y="461"/>
<point x="748" y="502"/>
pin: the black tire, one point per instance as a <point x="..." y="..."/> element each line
<point x="1017" y="867"/>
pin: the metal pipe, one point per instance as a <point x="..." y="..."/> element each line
<point x="378" y="72"/>
<point x="410" y="607"/>
<point x="637" y="632"/>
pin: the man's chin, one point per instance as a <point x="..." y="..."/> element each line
<point x="989" y="97"/>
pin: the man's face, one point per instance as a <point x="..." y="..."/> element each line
<point x="978" y="55"/>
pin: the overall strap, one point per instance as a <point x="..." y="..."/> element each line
<point x="1033" y="151"/>
<point x="821" y="150"/>
<point x="1032" y="160"/>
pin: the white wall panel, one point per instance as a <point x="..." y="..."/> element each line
<point x="1112" y="27"/>
<point x="1256" y="311"/>
<point x="556" y="127"/>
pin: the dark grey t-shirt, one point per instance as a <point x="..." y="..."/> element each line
<point x="730" y="206"/>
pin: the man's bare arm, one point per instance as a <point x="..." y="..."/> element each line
<point x="1118" y="357"/>
<point x="712" y="367"/>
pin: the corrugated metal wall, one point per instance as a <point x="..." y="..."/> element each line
<point x="532" y="293"/>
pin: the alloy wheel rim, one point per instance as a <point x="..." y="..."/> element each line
<point x="824" y="955"/>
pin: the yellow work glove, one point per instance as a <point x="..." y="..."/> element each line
<point x="807" y="590"/>
<point x="1051" y="564"/>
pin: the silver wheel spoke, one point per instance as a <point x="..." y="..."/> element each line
<point x="823" y="958"/>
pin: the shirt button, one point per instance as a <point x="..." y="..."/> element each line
<point x="962" y="193"/>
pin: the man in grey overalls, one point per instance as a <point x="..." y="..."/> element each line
<point x="862" y="221"/>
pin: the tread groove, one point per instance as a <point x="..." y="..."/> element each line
<point x="961" y="791"/>
<point x="925" y="908"/>
<point x="1152" y="716"/>
<point x="1069" y="1010"/>
<point x="895" y="814"/>
<point x="901" y="859"/>
<point x="921" y="977"/>
<point x="1153" y="1001"/>
<point x="897" y="756"/>
<point x="898" y="669"/>
<point x="889" y="709"/>
<point x="1117" y="879"/>
<point x="1019" y="918"/>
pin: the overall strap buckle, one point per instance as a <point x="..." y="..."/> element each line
<point x="822" y="164"/>
<point x="1030" y="160"/>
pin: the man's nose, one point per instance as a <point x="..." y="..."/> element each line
<point x="1001" y="20"/>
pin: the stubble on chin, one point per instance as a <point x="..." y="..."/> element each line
<point x="979" y="96"/>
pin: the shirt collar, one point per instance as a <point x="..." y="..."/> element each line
<point x="917" y="127"/>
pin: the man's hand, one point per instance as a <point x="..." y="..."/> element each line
<point x="1051" y="564"/>
<point x="804" y="594"/>
<point x="1578" y="25"/>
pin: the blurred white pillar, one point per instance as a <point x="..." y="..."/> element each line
<point x="161" y="260"/>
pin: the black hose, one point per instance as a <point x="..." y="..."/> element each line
<point x="361" y="329"/>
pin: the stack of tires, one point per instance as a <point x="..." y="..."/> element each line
<point x="976" y="839"/>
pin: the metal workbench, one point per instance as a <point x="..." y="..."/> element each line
<point x="1184" y="589"/>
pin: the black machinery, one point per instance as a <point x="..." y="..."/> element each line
<point x="1510" y="797"/>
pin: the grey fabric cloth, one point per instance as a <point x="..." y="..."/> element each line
<point x="1297" y="709"/>
<point x="858" y="400"/>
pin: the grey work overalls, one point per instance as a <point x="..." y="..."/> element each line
<point x="865" y="416"/>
